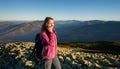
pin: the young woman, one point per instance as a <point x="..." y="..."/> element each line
<point x="49" y="41"/>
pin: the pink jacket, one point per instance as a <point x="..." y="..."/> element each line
<point x="50" y="45"/>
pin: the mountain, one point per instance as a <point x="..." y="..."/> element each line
<point x="19" y="32"/>
<point x="89" y="31"/>
<point x="68" y="31"/>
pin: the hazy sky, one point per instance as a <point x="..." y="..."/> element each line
<point x="60" y="9"/>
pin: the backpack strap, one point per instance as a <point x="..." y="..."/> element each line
<point x="37" y="37"/>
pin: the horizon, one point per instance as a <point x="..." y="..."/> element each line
<point x="55" y="20"/>
<point x="83" y="10"/>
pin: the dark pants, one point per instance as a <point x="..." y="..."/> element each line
<point x="55" y="61"/>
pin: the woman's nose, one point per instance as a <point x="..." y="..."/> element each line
<point x="52" y="24"/>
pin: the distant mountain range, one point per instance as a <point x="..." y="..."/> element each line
<point x="68" y="31"/>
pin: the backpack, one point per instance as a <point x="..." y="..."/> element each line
<point x="38" y="47"/>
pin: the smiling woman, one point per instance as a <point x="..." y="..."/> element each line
<point x="48" y="37"/>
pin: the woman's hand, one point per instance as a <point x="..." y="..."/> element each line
<point x="50" y="29"/>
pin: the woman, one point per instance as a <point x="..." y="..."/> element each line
<point x="49" y="41"/>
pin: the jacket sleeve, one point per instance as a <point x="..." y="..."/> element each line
<point x="47" y="41"/>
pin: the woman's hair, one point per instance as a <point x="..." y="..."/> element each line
<point x="44" y="29"/>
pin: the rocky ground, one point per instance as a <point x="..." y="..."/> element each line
<point x="18" y="55"/>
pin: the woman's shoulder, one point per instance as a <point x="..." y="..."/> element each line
<point x="43" y="33"/>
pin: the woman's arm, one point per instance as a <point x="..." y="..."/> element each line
<point x="48" y="40"/>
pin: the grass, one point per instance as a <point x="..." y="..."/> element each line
<point x="101" y="46"/>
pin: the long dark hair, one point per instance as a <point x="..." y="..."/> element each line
<point x="44" y="29"/>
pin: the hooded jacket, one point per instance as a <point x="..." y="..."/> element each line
<point x="49" y="42"/>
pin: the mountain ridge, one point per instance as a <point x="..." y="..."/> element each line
<point x="68" y="31"/>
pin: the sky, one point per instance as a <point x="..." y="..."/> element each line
<point x="60" y="9"/>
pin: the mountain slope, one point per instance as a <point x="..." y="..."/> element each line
<point x="107" y="31"/>
<point x="19" y="55"/>
<point x="68" y="31"/>
<point x="17" y="31"/>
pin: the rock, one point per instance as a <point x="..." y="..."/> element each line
<point x="28" y="63"/>
<point x="61" y="58"/>
<point x="15" y="55"/>
<point x="73" y="56"/>
<point x="97" y="65"/>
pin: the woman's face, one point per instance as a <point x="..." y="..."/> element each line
<point x="50" y="24"/>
